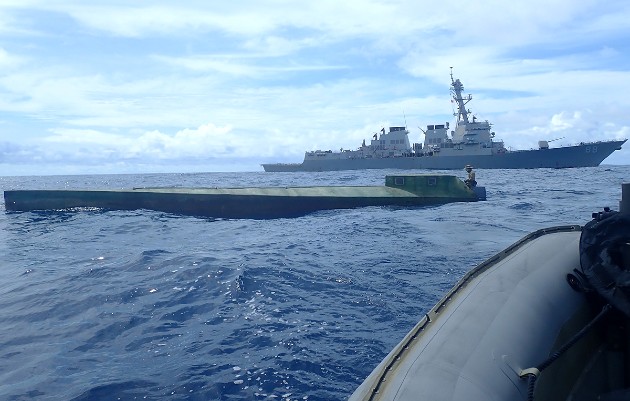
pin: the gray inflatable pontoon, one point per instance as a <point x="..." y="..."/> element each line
<point x="501" y="333"/>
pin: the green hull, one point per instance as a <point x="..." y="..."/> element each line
<point x="256" y="203"/>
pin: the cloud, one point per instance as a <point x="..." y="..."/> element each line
<point x="206" y="141"/>
<point x="235" y="65"/>
<point x="9" y="61"/>
<point x="140" y="21"/>
<point x="562" y="121"/>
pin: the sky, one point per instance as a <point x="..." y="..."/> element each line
<point x="101" y="87"/>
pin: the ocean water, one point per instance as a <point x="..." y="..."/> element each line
<point x="144" y="305"/>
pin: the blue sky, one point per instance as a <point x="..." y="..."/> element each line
<point x="155" y="86"/>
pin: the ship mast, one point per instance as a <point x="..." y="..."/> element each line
<point x="456" y="89"/>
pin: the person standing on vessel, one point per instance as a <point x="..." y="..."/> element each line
<point x="471" y="177"/>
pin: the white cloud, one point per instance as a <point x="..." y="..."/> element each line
<point x="132" y="20"/>
<point x="235" y="65"/>
<point x="563" y="122"/>
<point x="275" y="46"/>
<point x="9" y="61"/>
<point x="207" y="141"/>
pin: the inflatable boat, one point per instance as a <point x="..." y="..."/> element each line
<point x="548" y="318"/>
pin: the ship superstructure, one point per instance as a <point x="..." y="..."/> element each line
<point x="471" y="142"/>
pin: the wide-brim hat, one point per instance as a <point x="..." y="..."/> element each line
<point x="468" y="166"/>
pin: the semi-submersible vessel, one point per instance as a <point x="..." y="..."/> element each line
<point x="471" y="142"/>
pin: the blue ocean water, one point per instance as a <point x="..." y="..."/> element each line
<point x="144" y="305"/>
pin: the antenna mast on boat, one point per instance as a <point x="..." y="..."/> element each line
<point x="456" y="89"/>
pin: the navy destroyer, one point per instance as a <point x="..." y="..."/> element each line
<point x="472" y="142"/>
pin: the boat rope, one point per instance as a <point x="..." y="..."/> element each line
<point x="532" y="373"/>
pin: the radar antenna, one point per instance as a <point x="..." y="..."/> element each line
<point x="456" y="90"/>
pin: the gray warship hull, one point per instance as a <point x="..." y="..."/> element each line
<point x="582" y="155"/>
